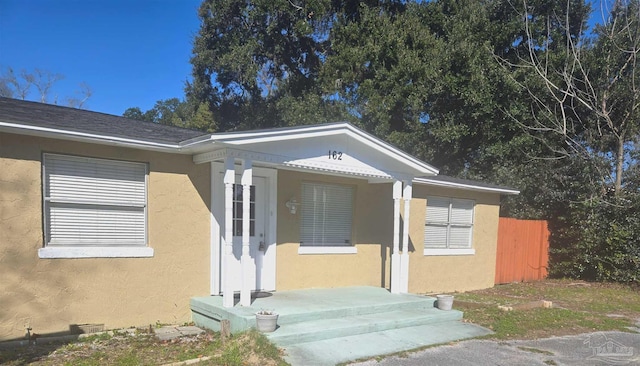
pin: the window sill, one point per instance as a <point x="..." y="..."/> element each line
<point x="95" y="252"/>
<point x="449" y="252"/>
<point x="328" y="250"/>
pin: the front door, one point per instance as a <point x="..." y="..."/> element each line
<point x="262" y="230"/>
<point x="256" y="231"/>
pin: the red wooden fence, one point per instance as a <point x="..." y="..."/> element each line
<point x="523" y="250"/>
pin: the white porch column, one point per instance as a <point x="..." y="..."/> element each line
<point x="395" y="255"/>
<point x="404" y="259"/>
<point x="245" y="259"/>
<point x="229" y="180"/>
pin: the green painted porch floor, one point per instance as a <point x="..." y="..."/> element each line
<point x="329" y="326"/>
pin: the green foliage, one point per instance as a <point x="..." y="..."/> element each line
<point x="600" y="241"/>
<point x="176" y="113"/>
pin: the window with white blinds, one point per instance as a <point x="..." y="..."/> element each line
<point x="94" y="202"/>
<point x="326" y="212"/>
<point x="449" y="223"/>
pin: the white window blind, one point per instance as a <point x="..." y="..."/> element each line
<point x="94" y="202"/>
<point x="449" y="223"/>
<point x="326" y="215"/>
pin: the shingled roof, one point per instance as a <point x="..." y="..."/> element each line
<point x="78" y="120"/>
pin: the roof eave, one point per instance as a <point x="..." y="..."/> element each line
<point x="39" y="131"/>
<point x="468" y="187"/>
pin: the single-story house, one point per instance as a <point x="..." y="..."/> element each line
<point x="120" y="222"/>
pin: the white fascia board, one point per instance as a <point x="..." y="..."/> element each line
<point x="393" y="152"/>
<point x="469" y="187"/>
<point x="85" y="137"/>
<point x="259" y="137"/>
<point x="276" y="133"/>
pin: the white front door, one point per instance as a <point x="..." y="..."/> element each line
<point x="256" y="233"/>
<point x="262" y="231"/>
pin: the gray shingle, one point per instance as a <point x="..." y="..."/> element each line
<point x="78" y="120"/>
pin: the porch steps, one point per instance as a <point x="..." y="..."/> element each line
<point x="364" y="346"/>
<point x="329" y="326"/>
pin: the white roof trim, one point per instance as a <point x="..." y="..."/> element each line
<point x="471" y="187"/>
<point x="280" y="134"/>
<point x="96" y="138"/>
<point x="257" y="136"/>
<point x="73" y="135"/>
<point x="227" y="138"/>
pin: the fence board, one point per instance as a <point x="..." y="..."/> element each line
<point x="523" y="250"/>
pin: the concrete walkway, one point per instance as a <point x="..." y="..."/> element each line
<point x="601" y="348"/>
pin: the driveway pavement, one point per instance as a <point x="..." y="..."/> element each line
<point x="601" y="348"/>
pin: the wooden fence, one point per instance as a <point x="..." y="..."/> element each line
<point x="523" y="250"/>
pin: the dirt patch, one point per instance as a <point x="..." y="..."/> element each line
<point x="145" y="349"/>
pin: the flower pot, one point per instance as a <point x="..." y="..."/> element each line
<point x="266" y="322"/>
<point x="444" y="302"/>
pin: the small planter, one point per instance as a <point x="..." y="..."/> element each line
<point x="266" y="321"/>
<point x="444" y="302"/>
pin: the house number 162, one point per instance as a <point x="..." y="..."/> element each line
<point x="335" y="155"/>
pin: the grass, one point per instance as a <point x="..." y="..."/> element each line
<point x="121" y="349"/>
<point x="578" y="307"/>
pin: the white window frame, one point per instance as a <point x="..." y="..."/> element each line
<point x="449" y="224"/>
<point x="345" y="215"/>
<point x="102" y="200"/>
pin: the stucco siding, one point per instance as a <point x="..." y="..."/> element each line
<point x="442" y="273"/>
<point x="49" y="295"/>
<point x="373" y="237"/>
<point x="372" y="230"/>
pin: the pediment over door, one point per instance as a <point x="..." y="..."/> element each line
<point x="343" y="150"/>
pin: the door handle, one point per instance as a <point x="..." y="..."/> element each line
<point x="261" y="247"/>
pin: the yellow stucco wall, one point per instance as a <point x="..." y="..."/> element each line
<point x="372" y="234"/>
<point x="428" y="274"/>
<point x="50" y="294"/>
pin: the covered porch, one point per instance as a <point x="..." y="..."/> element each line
<point x="247" y="202"/>
<point x="330" y="326"/>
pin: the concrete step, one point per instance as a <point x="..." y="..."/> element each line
<point x="350" y="348"/>
<point x="315" y="329"/>
<point x="422" y="303"/>
<point x="308" y="305"/>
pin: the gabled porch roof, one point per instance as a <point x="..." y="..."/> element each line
<point x="334" y="148"/>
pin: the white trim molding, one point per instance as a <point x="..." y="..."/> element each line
<point x="95" y="252"/>
<point x="444" y="251"/>
<point x="469" y="187"/>
<point x="327" y="250"/>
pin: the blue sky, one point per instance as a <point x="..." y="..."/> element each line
<point x="131" y="53"/>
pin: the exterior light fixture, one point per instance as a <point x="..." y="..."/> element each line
<point x="292" y="205"/>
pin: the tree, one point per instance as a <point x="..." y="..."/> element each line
<point x="175" y="112"/>
<point x="255" y="61"/>
<point x="584" y="93"/>
<point x="583" y="111"/>
<point x="383" y="68"/>
<point x="20" y="86"/>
